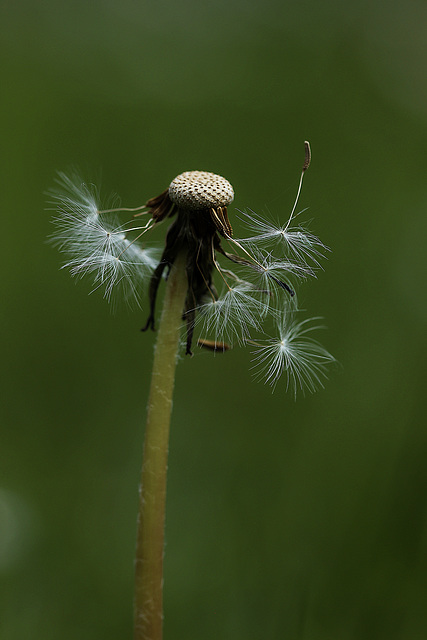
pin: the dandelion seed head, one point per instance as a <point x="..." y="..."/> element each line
<point x="268" y="264"/>
<point x="200" y="190"/>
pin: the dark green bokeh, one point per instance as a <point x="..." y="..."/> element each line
<point x="285" y="520"/>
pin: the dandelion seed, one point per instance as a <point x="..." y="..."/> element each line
<point x="96" y="242"/>
<point x="295" y="353"/>
<point x="233" y="314"/>
<point x="274" y="273"/>
<point x="296" y="242"/>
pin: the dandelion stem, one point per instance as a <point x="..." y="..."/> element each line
<point x="152" y="498"/>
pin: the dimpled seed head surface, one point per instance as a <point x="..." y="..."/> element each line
<point x="200" y="190"/>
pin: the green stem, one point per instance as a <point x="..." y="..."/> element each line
<point x="152" y="495"/>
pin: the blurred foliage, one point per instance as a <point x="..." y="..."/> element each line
<point x="301" y="520"/>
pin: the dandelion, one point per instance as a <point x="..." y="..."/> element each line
<point x="200" y="257"/>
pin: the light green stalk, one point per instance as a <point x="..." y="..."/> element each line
<point x="152" y="496"/>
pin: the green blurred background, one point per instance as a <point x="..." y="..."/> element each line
<point x="285" y="520"/>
